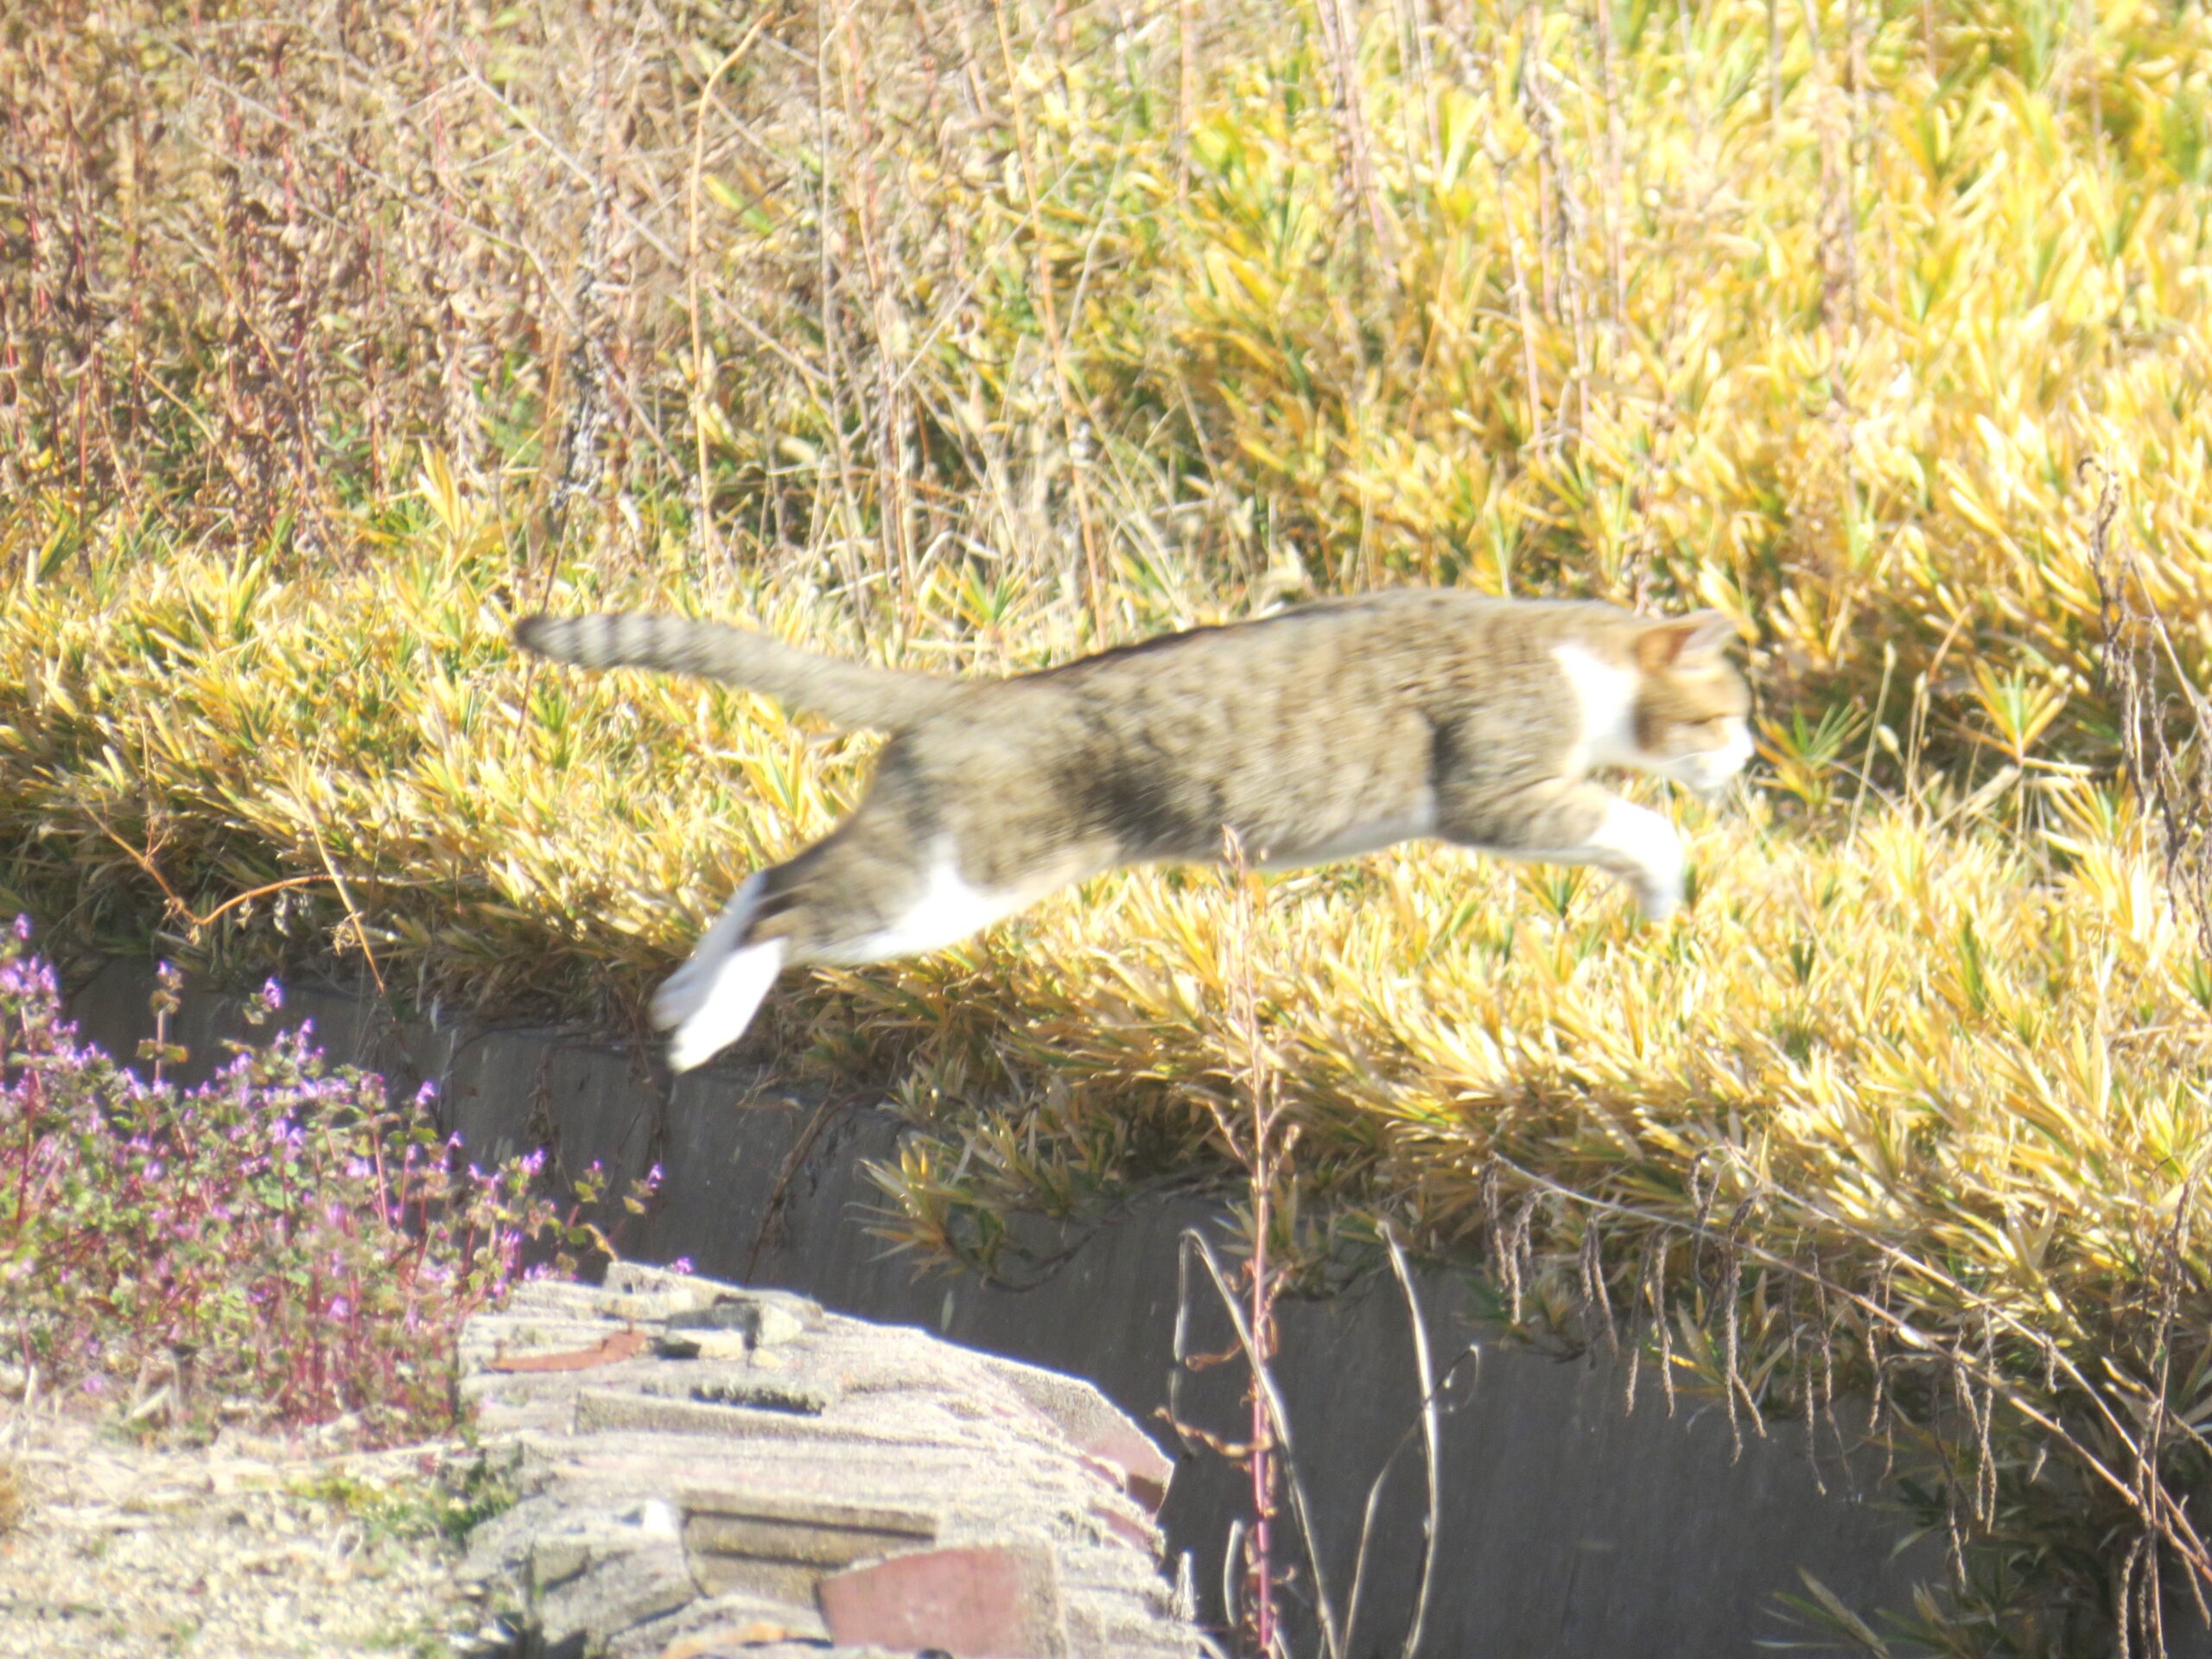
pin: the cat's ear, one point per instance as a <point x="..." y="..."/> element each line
<point x="1697" y="637"/>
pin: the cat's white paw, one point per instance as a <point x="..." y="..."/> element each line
<point x="683" y="992"/>
<point x="732" y="996"/>
<point x="1659" y="899"/>
<point x="1646" y="852"/>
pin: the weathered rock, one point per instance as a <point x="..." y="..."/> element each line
<point x="581" y="1617"/>
<point x="735" y="1626"/>
<point x="709" y="1470"/>
<point x="985" y="1601"/>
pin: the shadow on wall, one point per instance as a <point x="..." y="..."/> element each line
<point x="1570" y="1526"/>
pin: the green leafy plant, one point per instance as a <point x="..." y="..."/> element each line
<point x="277" y="1241"/>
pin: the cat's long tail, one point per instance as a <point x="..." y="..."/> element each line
<point x="845" y="694"/>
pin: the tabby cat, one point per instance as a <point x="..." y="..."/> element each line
<point x="1315" y="734"/>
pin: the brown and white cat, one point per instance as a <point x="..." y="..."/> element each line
<point x="1316" y="733"/>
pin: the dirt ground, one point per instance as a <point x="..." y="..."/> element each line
<point x="110" y="1549"/>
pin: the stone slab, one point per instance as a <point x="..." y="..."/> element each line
<point x="980" y="1601"/>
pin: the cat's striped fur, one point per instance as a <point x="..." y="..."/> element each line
<point x="1315" y="734"/>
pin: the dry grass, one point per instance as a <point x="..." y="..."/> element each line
<point x="979" y="336"/>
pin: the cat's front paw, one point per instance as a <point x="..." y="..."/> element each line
<point x="1645" y="852"/>
<point x="1658" y="896"/>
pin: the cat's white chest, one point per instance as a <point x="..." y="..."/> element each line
<point x="1605" y="696"/>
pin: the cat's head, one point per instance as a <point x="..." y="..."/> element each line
<point x="1691" y="715"/>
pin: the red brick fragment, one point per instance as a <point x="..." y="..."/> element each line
<point x="1144" y="1468"/>
<point x="622" y="1344"/>
<point x="984" y="1601"/>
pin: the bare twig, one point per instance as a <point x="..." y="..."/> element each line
<point x="701" y="390"/>
<point x="1264" y="1146"/>
<point x="1432" y="1444"/>
<point x="1279" y="1431"/>
<point x="2172" y="778"/>
<point x="1075" y="415"/>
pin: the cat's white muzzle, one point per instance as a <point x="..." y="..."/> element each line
<point x="1710" y="771"/>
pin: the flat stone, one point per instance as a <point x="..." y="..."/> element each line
<point x="620" y="1410"/>
<point x="720" y="1575"/>
<point x="1093" y="1425"/>
<point x="722" y="1641"/>
<point x="704" y="1344"/>
<point x="756" y="1459"/>
<point x="753" y="1501"/>
<point x="764" y="1320"/>
<point x="1124" y="1528"/>
<point x="738" y="1624"/>
<point x="559" y="1296"/>
<point x="584" y="1541"/>
<point x="524" y="1419"/>
<point x="980" y="1601"/>
<point x="583" y="1614"/>
<point x="514" y="1334"/>
<point x="642" y="1278"/>
<point x="720" y="1385"/>
<point x="801" y="1543"/>
<point x="642" y="1309"/>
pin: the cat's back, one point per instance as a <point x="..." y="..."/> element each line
<point x="1356" y="651"/>
<point x="1316" y="729"/>
<point x="1309" y="710"/>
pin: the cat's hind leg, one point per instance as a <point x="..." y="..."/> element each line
<point x="683" y="991"/>
<point x="731" y="995"/>
<point x="709" y="1000"/>
<point x="867" y="892"/>
<point x="852" y="899"/>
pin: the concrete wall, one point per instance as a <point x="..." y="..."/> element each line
<point x="1570" y="1526"/>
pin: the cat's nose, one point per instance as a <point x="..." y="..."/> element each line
<point x="1715" y="770"/>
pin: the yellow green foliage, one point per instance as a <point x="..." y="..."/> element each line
<point x="984" y="341"/>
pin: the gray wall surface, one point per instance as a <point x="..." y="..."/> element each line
<point x="1570" y="1526"/>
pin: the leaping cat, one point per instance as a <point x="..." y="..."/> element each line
<point x="1315" y="734"/>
